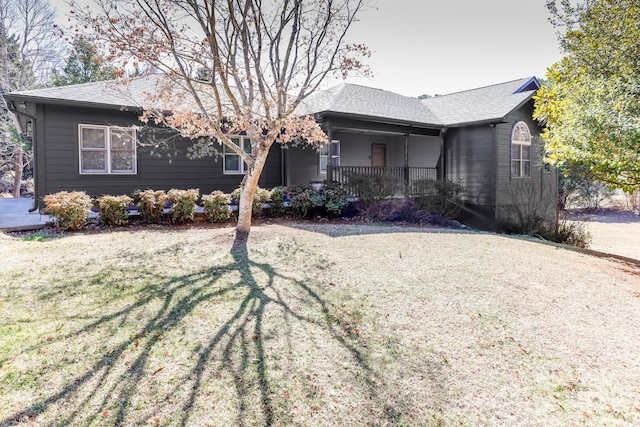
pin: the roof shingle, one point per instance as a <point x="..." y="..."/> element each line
<point x="482" y="104"/>
<point x="471" y="106"/>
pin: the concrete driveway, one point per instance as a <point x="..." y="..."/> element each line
<point x="15" y="215"/>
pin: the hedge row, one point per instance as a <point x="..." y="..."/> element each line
<point x="72" y="209"/>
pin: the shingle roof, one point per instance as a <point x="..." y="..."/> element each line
<point x="359" y="100"/>
<point x="482" y="104"/>
<point x="108" y="94"/>
<point x="471" y="106"/>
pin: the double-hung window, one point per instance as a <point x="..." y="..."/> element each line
<point x="521" y="151"/>
<point x="330" y="151"/>
<point x="233" y="164"/>
<point x="107" y="150"/>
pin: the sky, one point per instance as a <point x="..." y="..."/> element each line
<point x="444" y="46"/>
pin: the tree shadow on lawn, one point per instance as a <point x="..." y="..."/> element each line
<point x="338" y="229"/>
<point x="169" y="323"/>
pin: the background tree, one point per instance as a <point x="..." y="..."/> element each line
<point x="591" y="102"/>
<point x="84" y="64"/>
<point x="264" y="59"/>
<point x="29" y="50"/>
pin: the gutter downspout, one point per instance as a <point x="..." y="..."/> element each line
<point x="12" y="108"/>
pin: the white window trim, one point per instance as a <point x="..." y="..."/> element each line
<point x="107" y="151"/>
<point x="520" y="145"/>
<point x="242" y="139"/>
<point x="335" y="157"/>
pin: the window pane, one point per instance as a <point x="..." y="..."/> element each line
<point x="246" y="145"/>
<point x="232" y="163"/>
<point x="323" y="163"/>
<point x="515" y="152"/>
<point x="121" y="161"/>
<point x="526" y="152"/>
<point x="515" y="168"/>
<point x="93" y="138"/>
<point x="122" y="139"/>
<point x="94" y="161"/>
<point x="521" y="133"/>
<point x="324" y="149"/>
<point x="335" y="148"/>
<point x="526" y="168"/>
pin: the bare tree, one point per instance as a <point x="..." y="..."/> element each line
<point x="232" y="67"/>
<point x="30" y="48"/>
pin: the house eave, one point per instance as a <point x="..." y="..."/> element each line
<point x="16" y="98"/>
<point x="381" y="120"/>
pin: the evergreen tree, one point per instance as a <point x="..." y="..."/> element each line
<point x="84" y="65"/>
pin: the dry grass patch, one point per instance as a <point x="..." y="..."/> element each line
<point x="330" y="325"/>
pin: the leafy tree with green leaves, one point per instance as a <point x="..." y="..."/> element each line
<point x="590" y="103"/>
<point x="83" y="65"/>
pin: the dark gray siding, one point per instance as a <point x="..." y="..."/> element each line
<point x="534" y="192"/>
<point x="60" y="171"/>
<point x="470" y="158"/>
<point x="469" y="161"/>
<point x="303" y="165"/>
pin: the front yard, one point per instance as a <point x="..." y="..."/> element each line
<point x="319" y="324"/>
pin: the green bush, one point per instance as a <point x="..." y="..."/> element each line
<point x="276" y="201"/>
<point x="183" y="209"/>
<point x="442" y="197"/>
<point x="260" y="197"/>
<point x="71" y="209"/>
<point x="113" y="209"/>
<point x="329" y="200"/>
<point x="306" y="200"/>
<point x="335" y="199"/>
<point x="216" y="206"/>
<point x="150" y="205"/>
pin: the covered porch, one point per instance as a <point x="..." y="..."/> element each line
<point x="407" y="154"/>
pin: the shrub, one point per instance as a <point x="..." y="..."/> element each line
<point x="389" y="210"/>
<point x="328" y="200"/>
<point x="532" y="208"/>
<point x="372" y="188"/>
<point x="442" y="197"/>
<point x="113" y="209"/>
<point x="306" y="200"/>
<point x="216" y="206"/>
<point x="150" y="205"/>
<point x="276" y="201"/>
<point x="568" y="232"/>
<point x="260" y="197"/>
<point x="335" y="199"/>
<point x="71" y="209"/>
<point x="183" y="209"/>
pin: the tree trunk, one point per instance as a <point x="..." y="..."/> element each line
<point x="248" y="190"/>
<point x="17" y="171"/>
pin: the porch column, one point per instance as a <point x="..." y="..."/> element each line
<point x="442" y="172"/>
<point x="329" y="154"/>
<point x="406" y="160"/>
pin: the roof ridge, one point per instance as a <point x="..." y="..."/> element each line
<point x="481" y="87"/>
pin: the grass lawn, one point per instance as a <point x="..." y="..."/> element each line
<point x="316" y="325"/>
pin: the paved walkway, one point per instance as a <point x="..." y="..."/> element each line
<point x="15" y="215"/>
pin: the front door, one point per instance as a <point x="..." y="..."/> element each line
<point x="378" y="155"/>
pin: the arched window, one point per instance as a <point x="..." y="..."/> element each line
<point x="521" y="150"/>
